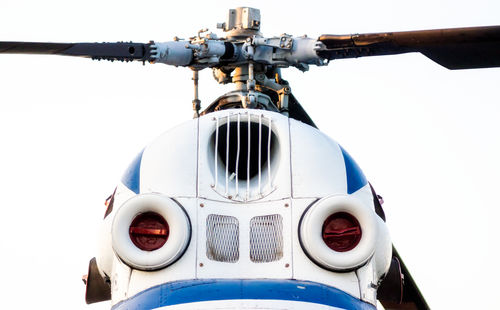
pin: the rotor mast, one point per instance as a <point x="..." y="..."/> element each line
<point x="241" y="26"/>
<point x="256" y="82"/>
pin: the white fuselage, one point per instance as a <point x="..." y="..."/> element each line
<point x="250" y="215"/>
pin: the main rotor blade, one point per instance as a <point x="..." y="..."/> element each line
<point x="121" y="51"/>
<point x="457" y="48"/>
<point x="390" y="294"/>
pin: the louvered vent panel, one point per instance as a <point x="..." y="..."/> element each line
<point x="266" y="238"/>
<point x="223" y="238"/>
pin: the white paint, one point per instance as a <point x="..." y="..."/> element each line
<point x="168" y="164"/>
<point x="383" y="250"/>
<point x="246" y="304"/>
<point x="120" y="275"/>
<point x="105" y="256"/>
<point x="318" y="168"/>
<point x="368" y="282"/>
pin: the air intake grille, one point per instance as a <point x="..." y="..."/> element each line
<point x="266" y="238"/>
<point x="243" y="146"/>
<point x="223" y="238"/>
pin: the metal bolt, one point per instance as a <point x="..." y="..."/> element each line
<point x="202" y="205"/>
<point x="286" y="205"/>
<point x="201" y="264"/>
<point x="287" y="265"/>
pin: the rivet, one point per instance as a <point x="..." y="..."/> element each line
<point x="286" y="205"/>
<point x="201" y="264"/>
<point x="287" y="265"/>
<point x="202" y="205"/>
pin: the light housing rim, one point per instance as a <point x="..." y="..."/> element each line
<point x="311" y="239"/>
<point x="179" y="235"/>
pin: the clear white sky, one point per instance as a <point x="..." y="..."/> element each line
<point x="427" y="138"/>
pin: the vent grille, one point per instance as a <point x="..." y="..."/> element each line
<point x="223" y="238"/>
<point x="266" y="238"/>
<point x="243" y="146"/>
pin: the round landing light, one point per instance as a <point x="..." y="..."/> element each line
<point x="341" y="232"/>
<point x="149" y="231"/>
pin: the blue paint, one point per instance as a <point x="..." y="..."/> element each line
<point x="132" y="176"/>
<point x="355" y="177"/>
<point x="188" y="291"/>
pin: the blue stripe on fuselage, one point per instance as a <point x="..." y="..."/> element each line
<point x="132" y="176"/>
<point x="189" y="291"/>
<point x="355" y="177"/>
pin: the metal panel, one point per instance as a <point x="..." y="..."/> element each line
<point x="260" y="224"/>
<point x="169" y="163"/>
<point x="315" y="173"/>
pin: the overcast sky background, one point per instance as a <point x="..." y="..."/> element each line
<point x="427" y="138"/>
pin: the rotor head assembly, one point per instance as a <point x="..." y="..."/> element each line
<point x="253" y="62"/>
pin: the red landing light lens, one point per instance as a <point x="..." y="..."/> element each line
<point x="149" y="231"/>
<point x="341" y="232"/>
